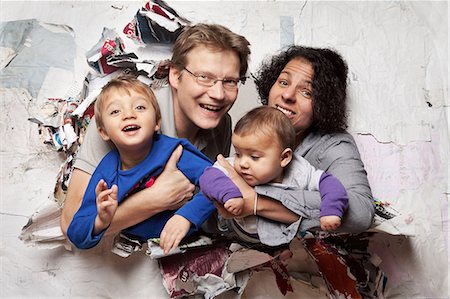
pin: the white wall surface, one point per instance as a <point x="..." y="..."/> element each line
<point x="397" y="53"/>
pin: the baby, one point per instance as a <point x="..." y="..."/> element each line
<point x="263" y="140"/>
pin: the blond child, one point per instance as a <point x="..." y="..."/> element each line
<point x="127" y="115"/>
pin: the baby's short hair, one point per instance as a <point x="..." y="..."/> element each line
<point x="267" y="121"/>
<point x="126" y="83"/>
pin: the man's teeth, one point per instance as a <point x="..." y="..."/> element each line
<point x="210" y="107"/>
<point x="285" y="111"/>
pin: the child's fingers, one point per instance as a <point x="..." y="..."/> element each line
<point x="232" y="210"/>
<point x="176" y="242"/>
<point x="164" y="241"/>
<point x="114" y="190"/>
<point x="171" y="243"/>
<point x="105" y="204"/>
<point x="222" y="211"/>
<point x="100" y="186"/>
<point x="103" y="196"/>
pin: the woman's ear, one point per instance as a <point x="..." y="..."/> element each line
<point x="103" y="134"/>
<point x="286" y="157"/>
<point x="174" y="76"/>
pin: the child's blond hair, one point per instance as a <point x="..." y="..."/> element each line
<point x="124" y="83"/>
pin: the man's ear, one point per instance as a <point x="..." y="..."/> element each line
<point x="286" y="157"/>
<point x="103" y="134"/>
<point x="174" y="76"/>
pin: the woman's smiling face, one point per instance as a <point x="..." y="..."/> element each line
<point x="292" y="94"/>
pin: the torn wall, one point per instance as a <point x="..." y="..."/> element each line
<point x="397" y="54"/>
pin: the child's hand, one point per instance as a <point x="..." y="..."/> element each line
<point x="234" y="205"/>
<point x="106" y="205"/>
<point x="173" y="232"/>
<point x="330" y="223"/>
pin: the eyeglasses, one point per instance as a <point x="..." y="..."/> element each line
<point x="206" y="80"/>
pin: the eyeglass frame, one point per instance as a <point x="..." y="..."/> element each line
<point x="215" y="80"/>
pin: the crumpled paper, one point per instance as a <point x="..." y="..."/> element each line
<point x="155" y="22"/>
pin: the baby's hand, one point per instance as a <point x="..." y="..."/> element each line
<point x="330" y="223"/>
<point x="173" y="232"/>
<point x="106" y="205"/>
<point x="234" y="205"/>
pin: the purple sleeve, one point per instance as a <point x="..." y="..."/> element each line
<point x="334" y="196"/>
<point x="216" y="185"/>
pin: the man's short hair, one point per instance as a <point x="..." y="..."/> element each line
<point x="214" y="36"/>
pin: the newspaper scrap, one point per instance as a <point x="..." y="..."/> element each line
<point x="349" y="270"/>
<point x="43" y="228"/>
<point x="56" y="126"/>
<point x="198" y="271"/>
<point x="193" y="268"/>
<point x="124" y="245"/>
<point x="155" y="22"/>
<point x="254" y="260"/>
<point x="155" y="251"/>
<point x="389" y="220"/>
<point x="110" y="44"/>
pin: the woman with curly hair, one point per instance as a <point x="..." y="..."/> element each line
<point x="309" y="86"/>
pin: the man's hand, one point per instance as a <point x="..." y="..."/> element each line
<point x="169" y="192"/>
<point x="173" y="232"/>
<point x="106" y="205"/>
<point x="330" y="223"/>
<point x="172" y="182"/>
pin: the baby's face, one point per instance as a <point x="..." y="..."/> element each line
<point x="257" y="159"/>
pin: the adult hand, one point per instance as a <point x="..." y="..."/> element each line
<point x="172" y="183"/>
<point x="169" y="192"/>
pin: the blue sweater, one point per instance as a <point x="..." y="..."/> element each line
<point x="192" y="163"/>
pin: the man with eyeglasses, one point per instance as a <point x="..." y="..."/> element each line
<point x="208" y="63"/>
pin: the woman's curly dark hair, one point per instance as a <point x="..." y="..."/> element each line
<point x="329" y="84"/>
